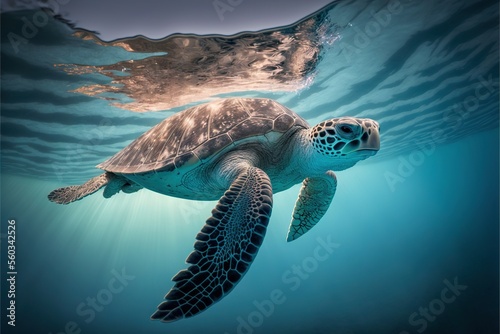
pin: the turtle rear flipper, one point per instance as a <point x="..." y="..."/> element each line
<point x="70" y="194"/>
<point x="225" y="247"/>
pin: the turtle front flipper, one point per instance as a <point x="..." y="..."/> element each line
<point x="225" y="247"/>
<point x="314" y="199"/>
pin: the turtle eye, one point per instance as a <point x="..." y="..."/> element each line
<point x="346" y="129"/>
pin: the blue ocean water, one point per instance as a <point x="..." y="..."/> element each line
<point x="409" y="245"/>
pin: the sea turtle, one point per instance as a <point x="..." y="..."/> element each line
<point x="238" y="151"/>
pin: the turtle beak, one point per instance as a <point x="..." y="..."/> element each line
<point x="372" y="143"/>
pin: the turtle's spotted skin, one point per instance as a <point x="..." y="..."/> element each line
<point x="240" y="152"/>
<point x="338" y="138"/>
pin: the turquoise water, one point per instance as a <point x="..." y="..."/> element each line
<point x="409" y="245"/>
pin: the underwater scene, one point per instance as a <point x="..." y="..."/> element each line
<point x="403" y="238"/>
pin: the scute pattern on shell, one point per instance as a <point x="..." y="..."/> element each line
<point x="199" y="132"/>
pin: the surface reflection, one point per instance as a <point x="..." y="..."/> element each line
<point x="196" y="67"/>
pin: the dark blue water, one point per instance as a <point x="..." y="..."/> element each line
<point x="409" y="245"/>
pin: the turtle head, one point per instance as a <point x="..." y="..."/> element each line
<point x="341" y="142"/>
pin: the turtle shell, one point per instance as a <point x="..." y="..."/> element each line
<point x="197" y="133"/>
